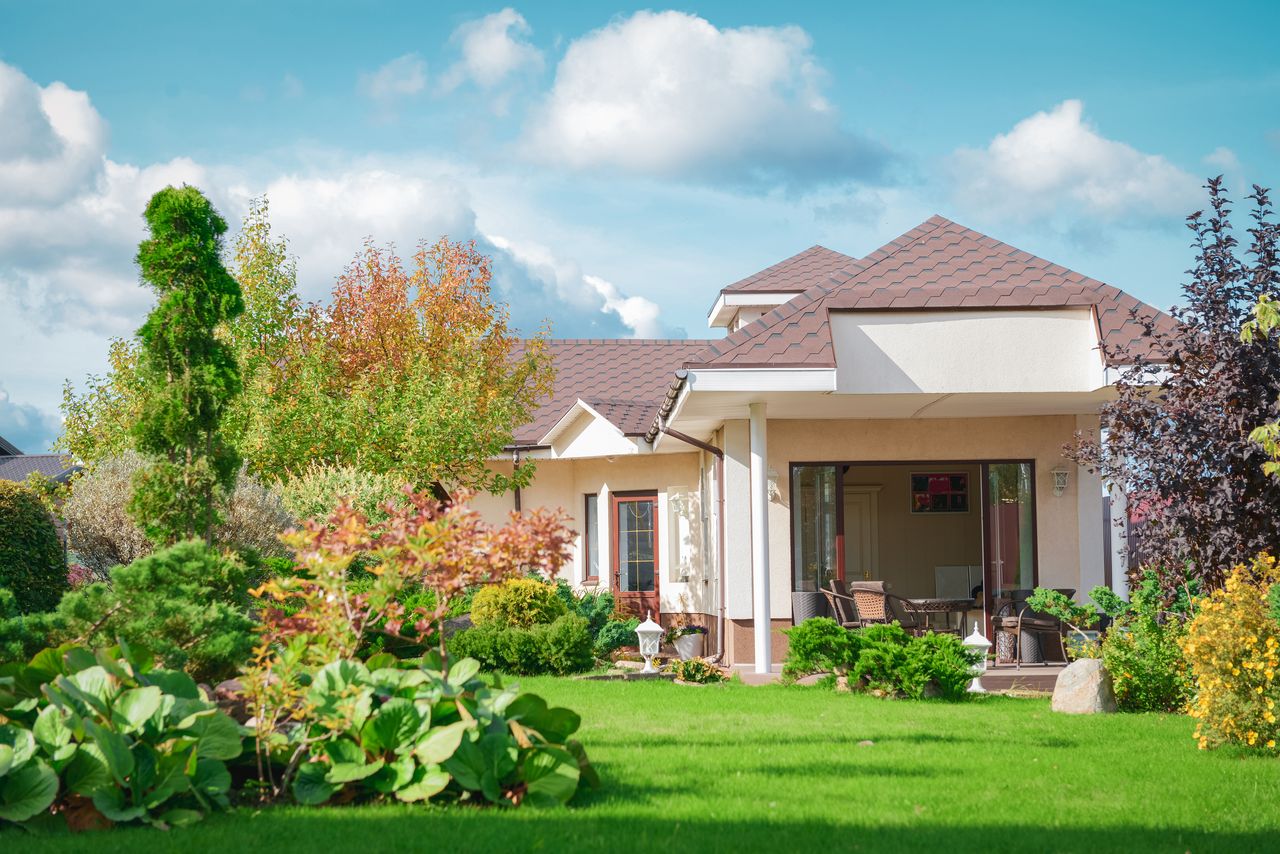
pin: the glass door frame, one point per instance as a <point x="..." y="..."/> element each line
<point x="841" y="467"/>
<point x="650" y="599"/>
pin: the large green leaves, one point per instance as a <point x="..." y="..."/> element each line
<point x="482" y="765"/>
<point x="551" y="776"/>
<point x="27" y="791"/>
<point x="440" y="743"/>
<point x="133" y="708"/>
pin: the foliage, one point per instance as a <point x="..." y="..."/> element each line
<point x="595" y="607"/>
<point x="33" y="566"/>
<point x="1142" y="652"/>
<point x="317" y="616"/>
<point x="1178" y="434"/>
<point x="1108" y="601"/>
<point x="187" y="373"/>
<point x="561" y="647"/>
<point x="106" y="735"/>
<point x="522" y="602"/>
<point x="24" y="635"/>
<point x="818" y="645"/>
<point x="95" y="424"/>
<point x="1233" y="648"/>
<point x="413" y="370"/>
<point x="415" y="732"/>
<point x="679" y="631"/>
<point x="102" y="535"/>
<point x="188" y="603"/>
<point x="882" y="659"/>
<point x="316" y="491"/>
<point x="696" y="670"/>
<point x="1057" y="604"/>
<point x="614" y="635"/>
<point x="1264" y="323"/>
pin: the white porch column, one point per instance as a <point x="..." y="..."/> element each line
<point x="761" y="622"/>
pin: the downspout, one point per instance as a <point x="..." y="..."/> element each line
<point x="719" y="455"/>
<point x="515" y="467"/>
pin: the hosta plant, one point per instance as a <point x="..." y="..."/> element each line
<point x="102" y="737"/>
<point x="389" y="729"/>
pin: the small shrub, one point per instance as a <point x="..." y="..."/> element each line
<point x="1142" y="652"/>
<point x="188" y="603"/>
<point x="521" y="602"/>
<point x="565" y="645"/>
<point x="882" y="658"/>
<point x="138" y="743"/>
<point x="696" y="670"/>
<point x="33" y="566"/>
<point x="817" y="645"/>
<point x="561" y="647"/>
<point x="596" y="608"/>
<point x="615" y="634"/>
<point x="103" y="535"/>
<point x="316" y="492"/>
<point x="1233" y="648"/>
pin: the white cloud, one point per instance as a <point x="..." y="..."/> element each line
<point x="1056" y="161"/>
<point x="27" y="427"/>
<point x="638" y="313"/>
<point x="52" y="143"/>
<point x="493" y="48"/>
<point x="668" y="94"/>
<point x="68" y="281"/>
<point x="401" y="77"/>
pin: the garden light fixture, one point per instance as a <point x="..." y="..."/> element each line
<point x="1060" y="476"/>
<point x="650" y="634"/>
<point x="977" y="643"/>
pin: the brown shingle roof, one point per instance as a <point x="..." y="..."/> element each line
<point x="937" y="264"/>
<point x="795" y="274"/>
<point x="53" y="466"/>
<point x="624" y="379"/>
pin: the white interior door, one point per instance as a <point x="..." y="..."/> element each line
<point x="860" y="532"/>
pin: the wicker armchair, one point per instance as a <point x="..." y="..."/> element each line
<point x="1014" y="616"/>
<point x="866" y="603"/>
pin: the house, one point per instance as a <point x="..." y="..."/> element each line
<point x="15" y="465"/>
<point x="899" y="416"/>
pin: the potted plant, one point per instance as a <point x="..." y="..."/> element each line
<point x="687" y="640"/>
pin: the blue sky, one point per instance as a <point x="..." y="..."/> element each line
<point x="621" y="164"/>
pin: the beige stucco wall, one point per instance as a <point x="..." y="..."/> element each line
<point x="686" y="576"/>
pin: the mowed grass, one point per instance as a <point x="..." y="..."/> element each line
<point x="735" y="769"/>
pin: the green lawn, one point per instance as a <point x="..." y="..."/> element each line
<point x="733" y="768"/>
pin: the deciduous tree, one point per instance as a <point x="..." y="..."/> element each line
<point x="1178" y="435"/>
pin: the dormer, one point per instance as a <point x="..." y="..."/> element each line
<point x="746" y="300"/>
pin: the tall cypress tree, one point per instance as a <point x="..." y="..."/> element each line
<point x="188" y="374"/>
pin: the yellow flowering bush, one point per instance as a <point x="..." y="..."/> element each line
<point x="1233" y="648"/>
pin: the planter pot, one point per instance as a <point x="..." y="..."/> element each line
<point x="689" y="646"/>
<point x="806" y="604"/>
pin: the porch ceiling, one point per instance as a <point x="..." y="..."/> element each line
<point x="701" y="413"/>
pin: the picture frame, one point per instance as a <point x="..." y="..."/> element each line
<point x="938" y="492"/>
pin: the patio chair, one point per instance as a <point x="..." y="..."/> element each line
<point x="842" y="605"/>
<point x="1014" y="616"/>
<point x="877" y="606"/>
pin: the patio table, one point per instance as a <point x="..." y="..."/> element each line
<point x="946" y="607"/>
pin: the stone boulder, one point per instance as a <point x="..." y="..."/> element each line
<point x="1084" y="688"/>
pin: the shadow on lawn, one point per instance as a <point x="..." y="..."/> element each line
<point x="401" y="829"/>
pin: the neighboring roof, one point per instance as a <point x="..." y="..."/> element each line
<point x="8" y="448"/>
<point x="624" y="379"/>
<point x="795" y="274"/>
<point x="938" y="264"/>
<point x="53" y="466"/>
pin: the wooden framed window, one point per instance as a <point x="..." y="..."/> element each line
<point x="591" y="539"/>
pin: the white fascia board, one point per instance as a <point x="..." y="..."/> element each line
<point x="727" y="305"/>
<point x="579" y="408"/>
<point x="762" y="379"/>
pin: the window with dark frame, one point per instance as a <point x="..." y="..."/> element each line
<point x="591" y="539"/>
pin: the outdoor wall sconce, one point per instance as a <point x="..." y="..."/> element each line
<point x="977" y="643"/>
<point x="1060" y="476"/>
<point x="775" y="494"/>
<point x="650" y="634"/>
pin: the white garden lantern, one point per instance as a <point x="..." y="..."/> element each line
<point x="977" y="643"/>
<point x="650" y="634"/>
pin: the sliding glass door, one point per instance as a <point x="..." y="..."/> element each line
<point x="814" y="530"/>
<point x="1009" y="517"/>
